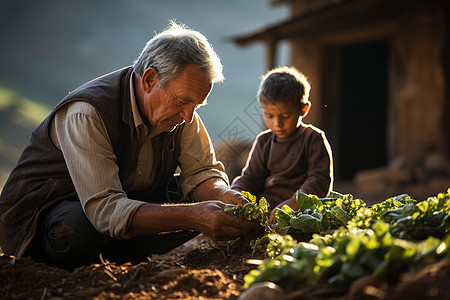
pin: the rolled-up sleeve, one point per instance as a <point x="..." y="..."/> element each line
<point x="82" y="137"/>
<point x="197" y="158"/>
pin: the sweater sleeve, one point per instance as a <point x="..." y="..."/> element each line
<point x="255" y="171"/>
<point x="320" y="167"/>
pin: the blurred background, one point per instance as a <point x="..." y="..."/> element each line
<point x="48" y="48"/>
<point x="379" y="69"/>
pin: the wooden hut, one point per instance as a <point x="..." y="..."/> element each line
<point x="380" y="76"/>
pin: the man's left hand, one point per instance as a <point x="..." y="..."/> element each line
<point x="217" y="189"/>
<point x="230" y="196"/>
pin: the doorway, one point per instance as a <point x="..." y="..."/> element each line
<point x="355" y="92"/>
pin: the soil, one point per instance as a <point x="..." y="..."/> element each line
<point x="192" y="271"/>
<point x="197" y="271"/>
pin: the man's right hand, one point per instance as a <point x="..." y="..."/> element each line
<point x="206" y="217"/>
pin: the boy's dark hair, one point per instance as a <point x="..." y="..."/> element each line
<point x="284" y="84"/>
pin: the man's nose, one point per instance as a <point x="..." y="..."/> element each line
<point x="188" y="113"/>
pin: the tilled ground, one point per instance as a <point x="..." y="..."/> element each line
<point x="193" y="271"/>
<point x="197" y="271"/>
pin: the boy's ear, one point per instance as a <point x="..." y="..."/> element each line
<point x="149" y="79"/>
<point x="306" y="108"/>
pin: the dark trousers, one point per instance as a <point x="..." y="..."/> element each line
<point x="67" y="239"/>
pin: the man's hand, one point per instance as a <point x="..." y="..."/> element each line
<point x="230" y="196"/>
<point x="217" y="189"/>
<point x="206" y="217"/>
<point x="213" y="222"/>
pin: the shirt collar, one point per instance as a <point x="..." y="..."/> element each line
<point x="134" y="109"/>
<point x="137" y="115"/>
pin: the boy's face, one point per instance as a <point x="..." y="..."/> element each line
<point x="282" y="118"/>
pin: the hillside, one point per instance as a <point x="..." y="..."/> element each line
<point x="18" y="117"/>
<point x="51" y="47"/>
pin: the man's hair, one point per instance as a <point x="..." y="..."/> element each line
<point x="284" y="84"/>
<point x="177" y="46"/>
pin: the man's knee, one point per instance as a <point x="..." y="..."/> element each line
<point x="61" y="236"/>
<point x="67" y="237"/>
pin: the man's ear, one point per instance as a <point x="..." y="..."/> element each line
<point x="306" y="108"/>
<point x="149" y="79"/>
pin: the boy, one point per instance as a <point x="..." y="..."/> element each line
<point x="290" y="156"/>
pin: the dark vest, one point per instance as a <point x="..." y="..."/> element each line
<point x="41" y="179"/>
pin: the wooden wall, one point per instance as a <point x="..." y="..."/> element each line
<point x="418" y="119"/>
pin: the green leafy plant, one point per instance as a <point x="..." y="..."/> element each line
<point x="419" y="220"/>
<point x="316" y="215"/>
<point x="384" y="240"/>
<point x="399" y="201"/>
<point x="253" y="210"/>
<point x="346" y="255"/>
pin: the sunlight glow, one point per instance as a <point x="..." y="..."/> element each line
<point x="22" y="111"/>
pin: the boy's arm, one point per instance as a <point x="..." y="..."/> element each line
<point x="320" y="167"/>
<point x="254" y="172"/>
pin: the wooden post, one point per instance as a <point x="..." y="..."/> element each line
<point x="271" y="55"/>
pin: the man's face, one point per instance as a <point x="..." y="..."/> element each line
<point x="168" y="107"/>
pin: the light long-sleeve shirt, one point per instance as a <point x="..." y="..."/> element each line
<point x="79" y="132"/>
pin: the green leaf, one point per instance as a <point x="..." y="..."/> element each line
<point x="306" y="223"/>
<point x="311" y="202"/>
<point x="335" y="195"/>
<point x="283" y="215"/>
<point x="352" y="248"/>
<point x="340" y="214"/>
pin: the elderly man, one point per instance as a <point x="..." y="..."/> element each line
<point x="98" y="173"/>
